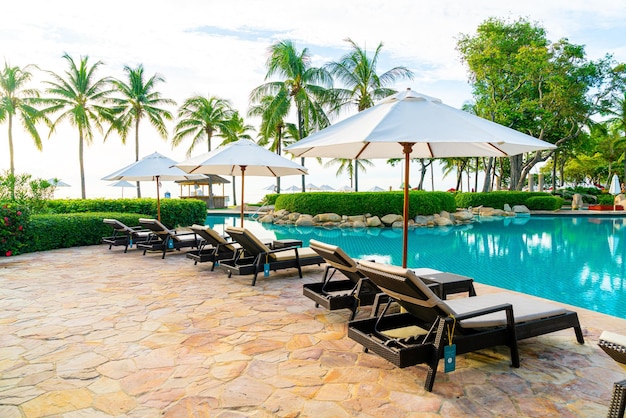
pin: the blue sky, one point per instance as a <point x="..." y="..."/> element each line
<point x="219" y="48"/>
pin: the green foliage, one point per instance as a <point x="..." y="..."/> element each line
<point x="14" y="221"/>
<point x="51" y="231"/>
<point x="544" y="203"/>
<point x="23" y="189"/>
<point x="270" y="199"/>
<point x="606" y="199"/>
<point x="588" y="194"/>
<point x="496" y="199"/>
<point x="174" y="212"/>
<point x="374" y="203"/>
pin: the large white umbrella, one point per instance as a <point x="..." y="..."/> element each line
<point x="242" y="158"/>
<point x="154" y="167"/>
<point x="412" y="125"/>
<point x="614" y="188"/>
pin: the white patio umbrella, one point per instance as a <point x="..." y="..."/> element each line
<point x="326" y="187"/>
<point x="242" y="158"/>
<point x="614" y="188"/>
<point x="376" y="189"/>
<point x="154" y="167"/>
<point x="58" y="183"/>
<point x="311" y="187"/>
<point x="122" y="184"/>
<point x="292" y="189"/>
<point x="412" y="125"/>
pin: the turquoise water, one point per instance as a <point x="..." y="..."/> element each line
<point x="574" y="260"/>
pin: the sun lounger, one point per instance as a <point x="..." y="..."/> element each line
<point x="419" y="334"/>
<point x="349" y="292"/>
<point x="163" y="239"/>
<point x="213" y="247"/>
<point x="256" y="255"/>
<point x="125" y="235"/>
<point x="615" y="346"/>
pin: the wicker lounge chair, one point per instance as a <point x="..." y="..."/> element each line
<point x="213" y="247"/>
<point x="349" y="292"/>
<point x="615" y="346"/>
<point x="419" y="334"/>
<point x="256" y="254"/>
<point x="125" y="235"/>
<point x="163" y="239"/>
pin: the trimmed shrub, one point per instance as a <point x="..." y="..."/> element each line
<point x="374" y="203"/>
<point x="605" y="199"/>
<point x="14" y="221"/>
<point x="174" y="212"/>
<point x="544" y="203"/>
<point x="496" y="199"/>
<point x="51" y="231"/>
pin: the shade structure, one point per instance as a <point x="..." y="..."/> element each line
<point x="326" y="188"/>
<point x="292" y="189"/>
<point x="376" y="189"/>
<point x="614" y="188"/>
<point x="122" y="184"/>
<point x="412" y="125"/>
<point x="311" y="187"/>
<point x="242" y="158"/>
<point x="58" y="183"/>
<point x="154" y="167"/>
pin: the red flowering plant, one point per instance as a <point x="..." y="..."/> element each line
<point x="13" y="221"/>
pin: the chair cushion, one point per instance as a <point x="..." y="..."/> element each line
<point x="524" y="309"/>
<point x="305" y="252"/>
<point x="613" y="338"/>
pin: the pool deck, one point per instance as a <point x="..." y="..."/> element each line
<point x="88" y="332"/>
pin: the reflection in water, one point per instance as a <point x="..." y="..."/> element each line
<point x="575" y="260"/>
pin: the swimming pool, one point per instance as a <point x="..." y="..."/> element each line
<point x="574" y="260"/>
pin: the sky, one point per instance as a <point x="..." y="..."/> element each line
<point x="219" y="48"/>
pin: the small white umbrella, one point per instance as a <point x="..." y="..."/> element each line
<point x="376" y="189"/>
<point x="242" y="158"/>
<point x="311" y="186"/>
<point x="58" y="183"/>
<point x="154" y="167"/>
<point x="614" y="188"/>
<point x="292" y="189"/>
<point x="122" y="184"/>
<point x="412" y="125"/>
<point x="345" y="189"/>
<point x="326" y="187"/>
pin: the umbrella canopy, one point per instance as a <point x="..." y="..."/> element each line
<point x="154" y="167"/>
<point x="326" y="187"/>
<point x="241" y="158"/>
<point x="292" y="189"/>
<point x="376" y="189"/>
<point x="121" y="183"/>
<point x="412" y="125"/>
<point x="345" y="189"/>
<point x="311" y="186"/>
<point x="58" y="183"/>
<point x="614" y="188"/>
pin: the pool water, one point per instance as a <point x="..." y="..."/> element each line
<point x="574" y="260"/>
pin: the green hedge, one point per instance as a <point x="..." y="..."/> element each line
<point x="544" y="203"/>
<point x="51" y="231"/>
<point x="374" y="203"/>
<point x="496" y="199"/>
<point x="174" y="212"/>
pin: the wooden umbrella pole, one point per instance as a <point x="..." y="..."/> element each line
<point x="158" y="200"/>
<point x="407" y="148"/>
<point x="243" y="177"/>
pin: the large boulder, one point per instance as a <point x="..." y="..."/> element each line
<point x="391" y="218"/>
<point x="327" y="217"/>
<point x="356" y="218"/>
<point x="305" y="220"/>
<point x="443" y="221"/>
<point x="521" y="209"/>
<point x="463" y="216"/>
<point x="279" y="214"/>
<point x="293" y="216"/>
<point x="267" y="219"/>
<point x="373" y="221"/>
<point x="507" y="207"/>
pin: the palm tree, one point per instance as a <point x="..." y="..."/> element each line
<point x="201" y="118"/>
<point x="236" y="129"/>
<point x="139" y="101"/>
<point x="18" y="101"/>
<point x="302" y="84"/>
<point x="274" y="130"/>
<point x="81" y="99"/>
<point x="618" y="121"/>
<point x="347" y="165"/>
<point x="362" y="85"/>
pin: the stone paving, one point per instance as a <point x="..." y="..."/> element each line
<point x="88" y="332"/>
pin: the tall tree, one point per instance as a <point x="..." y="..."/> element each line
<point x="362" y="86"/>
<point x="201" y="118"/>
<point x="617" y="121"/>
<point x="81" y="99"/>
<point x="274" y="130"/>
<point x="139" y="101"/>
<point x="301" y="84"/>
<point x="17" y="101"/>
<point x="523" y="81"/>
<point x="349" y="166"/>
<point x="236" y="129"/>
